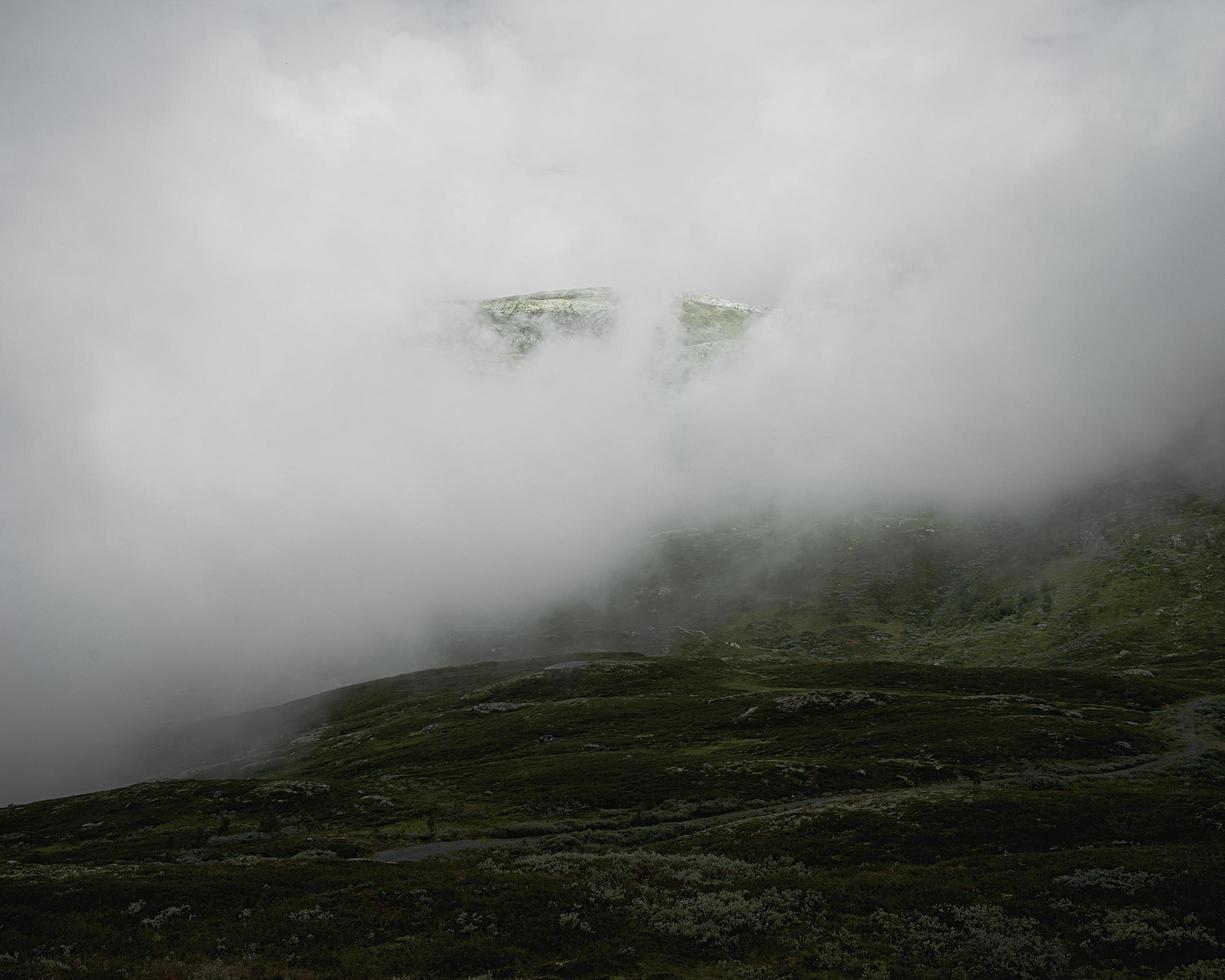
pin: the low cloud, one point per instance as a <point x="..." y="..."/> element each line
<point x="242" y="456"/>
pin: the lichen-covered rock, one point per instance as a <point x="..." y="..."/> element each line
<point x="496" y="707"/>
<point x="818" y="700"/>
<point x="803" y="702"/>
<point x="291" y="788"/>
<point x="708" y="323"/>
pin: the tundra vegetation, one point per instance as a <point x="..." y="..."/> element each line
<point x="926" y="748"/>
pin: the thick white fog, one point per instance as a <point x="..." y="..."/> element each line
<point x="238" y="456"/>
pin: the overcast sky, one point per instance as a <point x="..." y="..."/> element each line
<point x="235" y="458"/>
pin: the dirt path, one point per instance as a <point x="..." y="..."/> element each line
<point x="419" y="852"/>
<point x="1185" y="722"/>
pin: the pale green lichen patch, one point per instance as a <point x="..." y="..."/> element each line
<point x="708" y="324"/>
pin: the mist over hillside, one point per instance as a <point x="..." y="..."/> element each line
<point x="254" y="450"/>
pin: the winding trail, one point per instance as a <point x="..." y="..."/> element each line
<point x="419" y="852"/>
<point x="1191" y="744"/>
<point x="1185" y="723"/>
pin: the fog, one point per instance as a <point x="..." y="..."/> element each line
<point x="242" y="454"/>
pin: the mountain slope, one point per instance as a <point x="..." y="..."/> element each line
<point x="922" y="749"/>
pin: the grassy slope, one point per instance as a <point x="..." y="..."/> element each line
<point x="994" y="720"/>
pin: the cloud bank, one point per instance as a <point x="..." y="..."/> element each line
<point x="237" y="452"/>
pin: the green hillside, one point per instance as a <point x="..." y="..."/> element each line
<point x="887" y="747"/>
